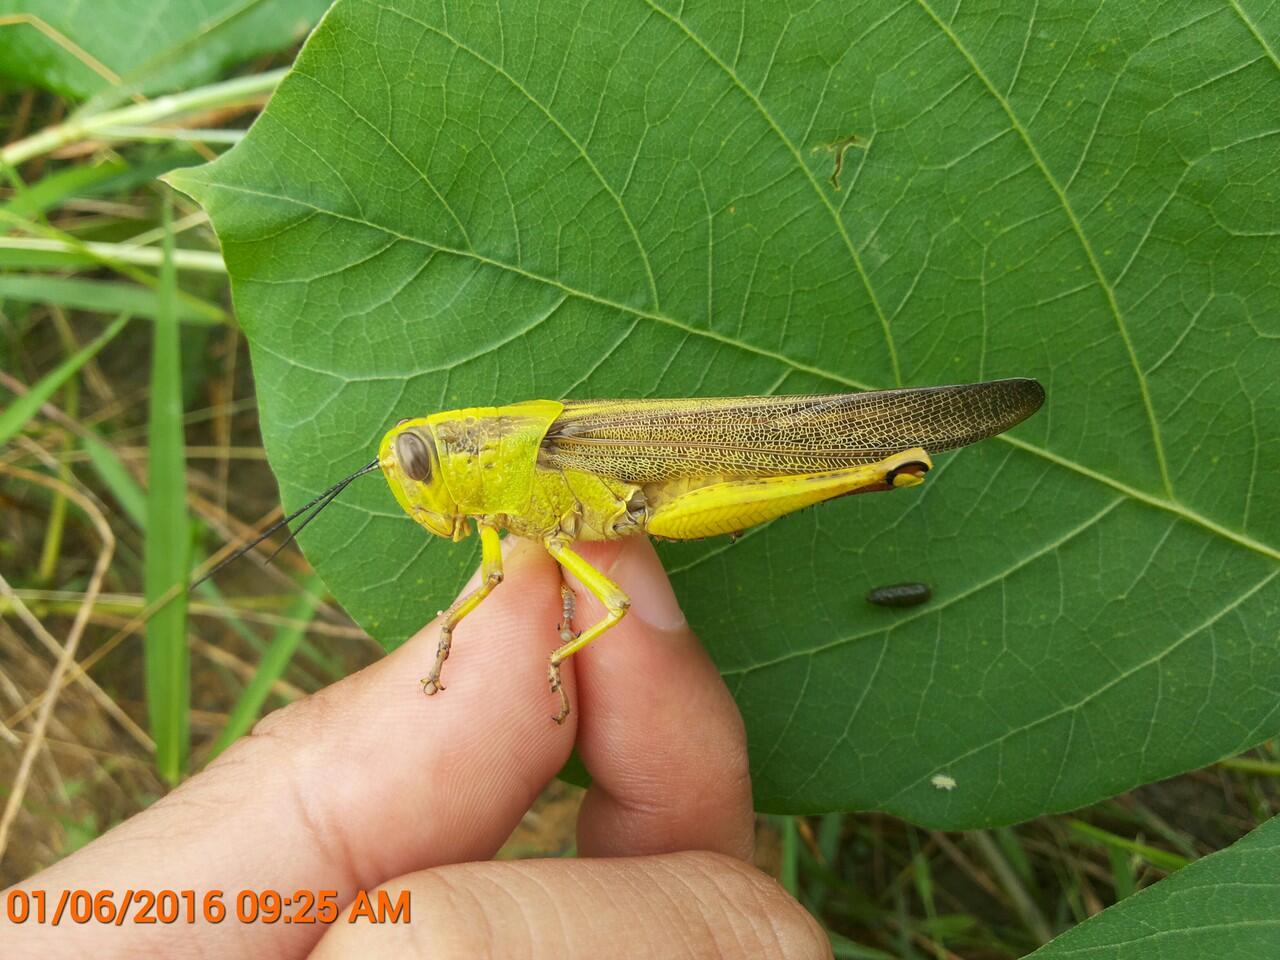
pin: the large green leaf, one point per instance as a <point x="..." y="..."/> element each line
<point x="445" y="206"/>
<point x="1226" y="905"/>
<point x="79" y="48"/>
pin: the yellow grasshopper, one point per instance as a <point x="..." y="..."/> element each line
<point x="563" y="471"/>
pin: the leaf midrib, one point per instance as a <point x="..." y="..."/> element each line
<point x="1161" y="503"/>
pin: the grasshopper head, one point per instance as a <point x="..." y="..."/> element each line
<point x="411" y="465"/>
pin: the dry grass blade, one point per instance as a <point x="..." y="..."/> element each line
<point x="61" y="39"/>
<point x="51" y="644"/>
<point x="126" y="631"/>
<point x="100" y="566"/>
<point x="128" y="605"/>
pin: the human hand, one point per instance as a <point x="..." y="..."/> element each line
<point x="369" y="783"/>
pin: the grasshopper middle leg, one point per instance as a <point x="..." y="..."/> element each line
<point x="491" y="576"/>
<point x="609" y="593"/>
<point x="567" y="601"/>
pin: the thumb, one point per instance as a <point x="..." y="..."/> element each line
<point x="671" y="905"/>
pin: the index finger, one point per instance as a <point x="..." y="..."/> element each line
<point x="357" y="784"/>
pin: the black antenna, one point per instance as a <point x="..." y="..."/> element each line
<point x="324" y="499"/>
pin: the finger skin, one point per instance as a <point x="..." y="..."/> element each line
<point x="684" y="905"/>
<point x="361" y="782"/>
<point x="659" y="731"/>
<point x="369" y="779"/>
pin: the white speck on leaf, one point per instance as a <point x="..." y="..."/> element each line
<point x="943" y="782"/>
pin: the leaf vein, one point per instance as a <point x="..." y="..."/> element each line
<point x="1170" y="505"/>
<point x="1106" y="287"/>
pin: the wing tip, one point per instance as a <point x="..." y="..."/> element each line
<point x="1026" y="395"/>
<point x="1011" y="401"/>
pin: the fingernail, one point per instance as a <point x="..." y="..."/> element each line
<point x="640" y="574"/>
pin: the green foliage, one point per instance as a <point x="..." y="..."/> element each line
<point x="445" y="205"/>
<point x="168" y="532"/>
<point x="118" y="46"/>
<point x="23" y="408"/>
<point x="100" y="296"/>
<point x="272" y="665"/>
<point x="1223" y="905"/>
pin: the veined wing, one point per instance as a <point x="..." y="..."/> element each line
<point x="646" y="441"/>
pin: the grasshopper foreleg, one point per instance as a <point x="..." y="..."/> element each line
<point x="491" y="576"/>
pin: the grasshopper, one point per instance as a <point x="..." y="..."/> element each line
<point x="559" y="472"/>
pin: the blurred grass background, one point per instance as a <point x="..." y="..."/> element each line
<point x="131" y="456"/>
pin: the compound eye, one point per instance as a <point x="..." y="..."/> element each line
<point x="414" y="458"/>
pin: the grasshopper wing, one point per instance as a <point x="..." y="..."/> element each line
<point x="649" y="441"/>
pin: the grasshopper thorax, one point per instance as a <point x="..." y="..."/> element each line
<point x="411" y="464"/>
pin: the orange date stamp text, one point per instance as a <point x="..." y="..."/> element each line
<point x="143" y="906"/>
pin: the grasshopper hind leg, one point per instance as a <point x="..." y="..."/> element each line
<point x="732" y="505"/>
